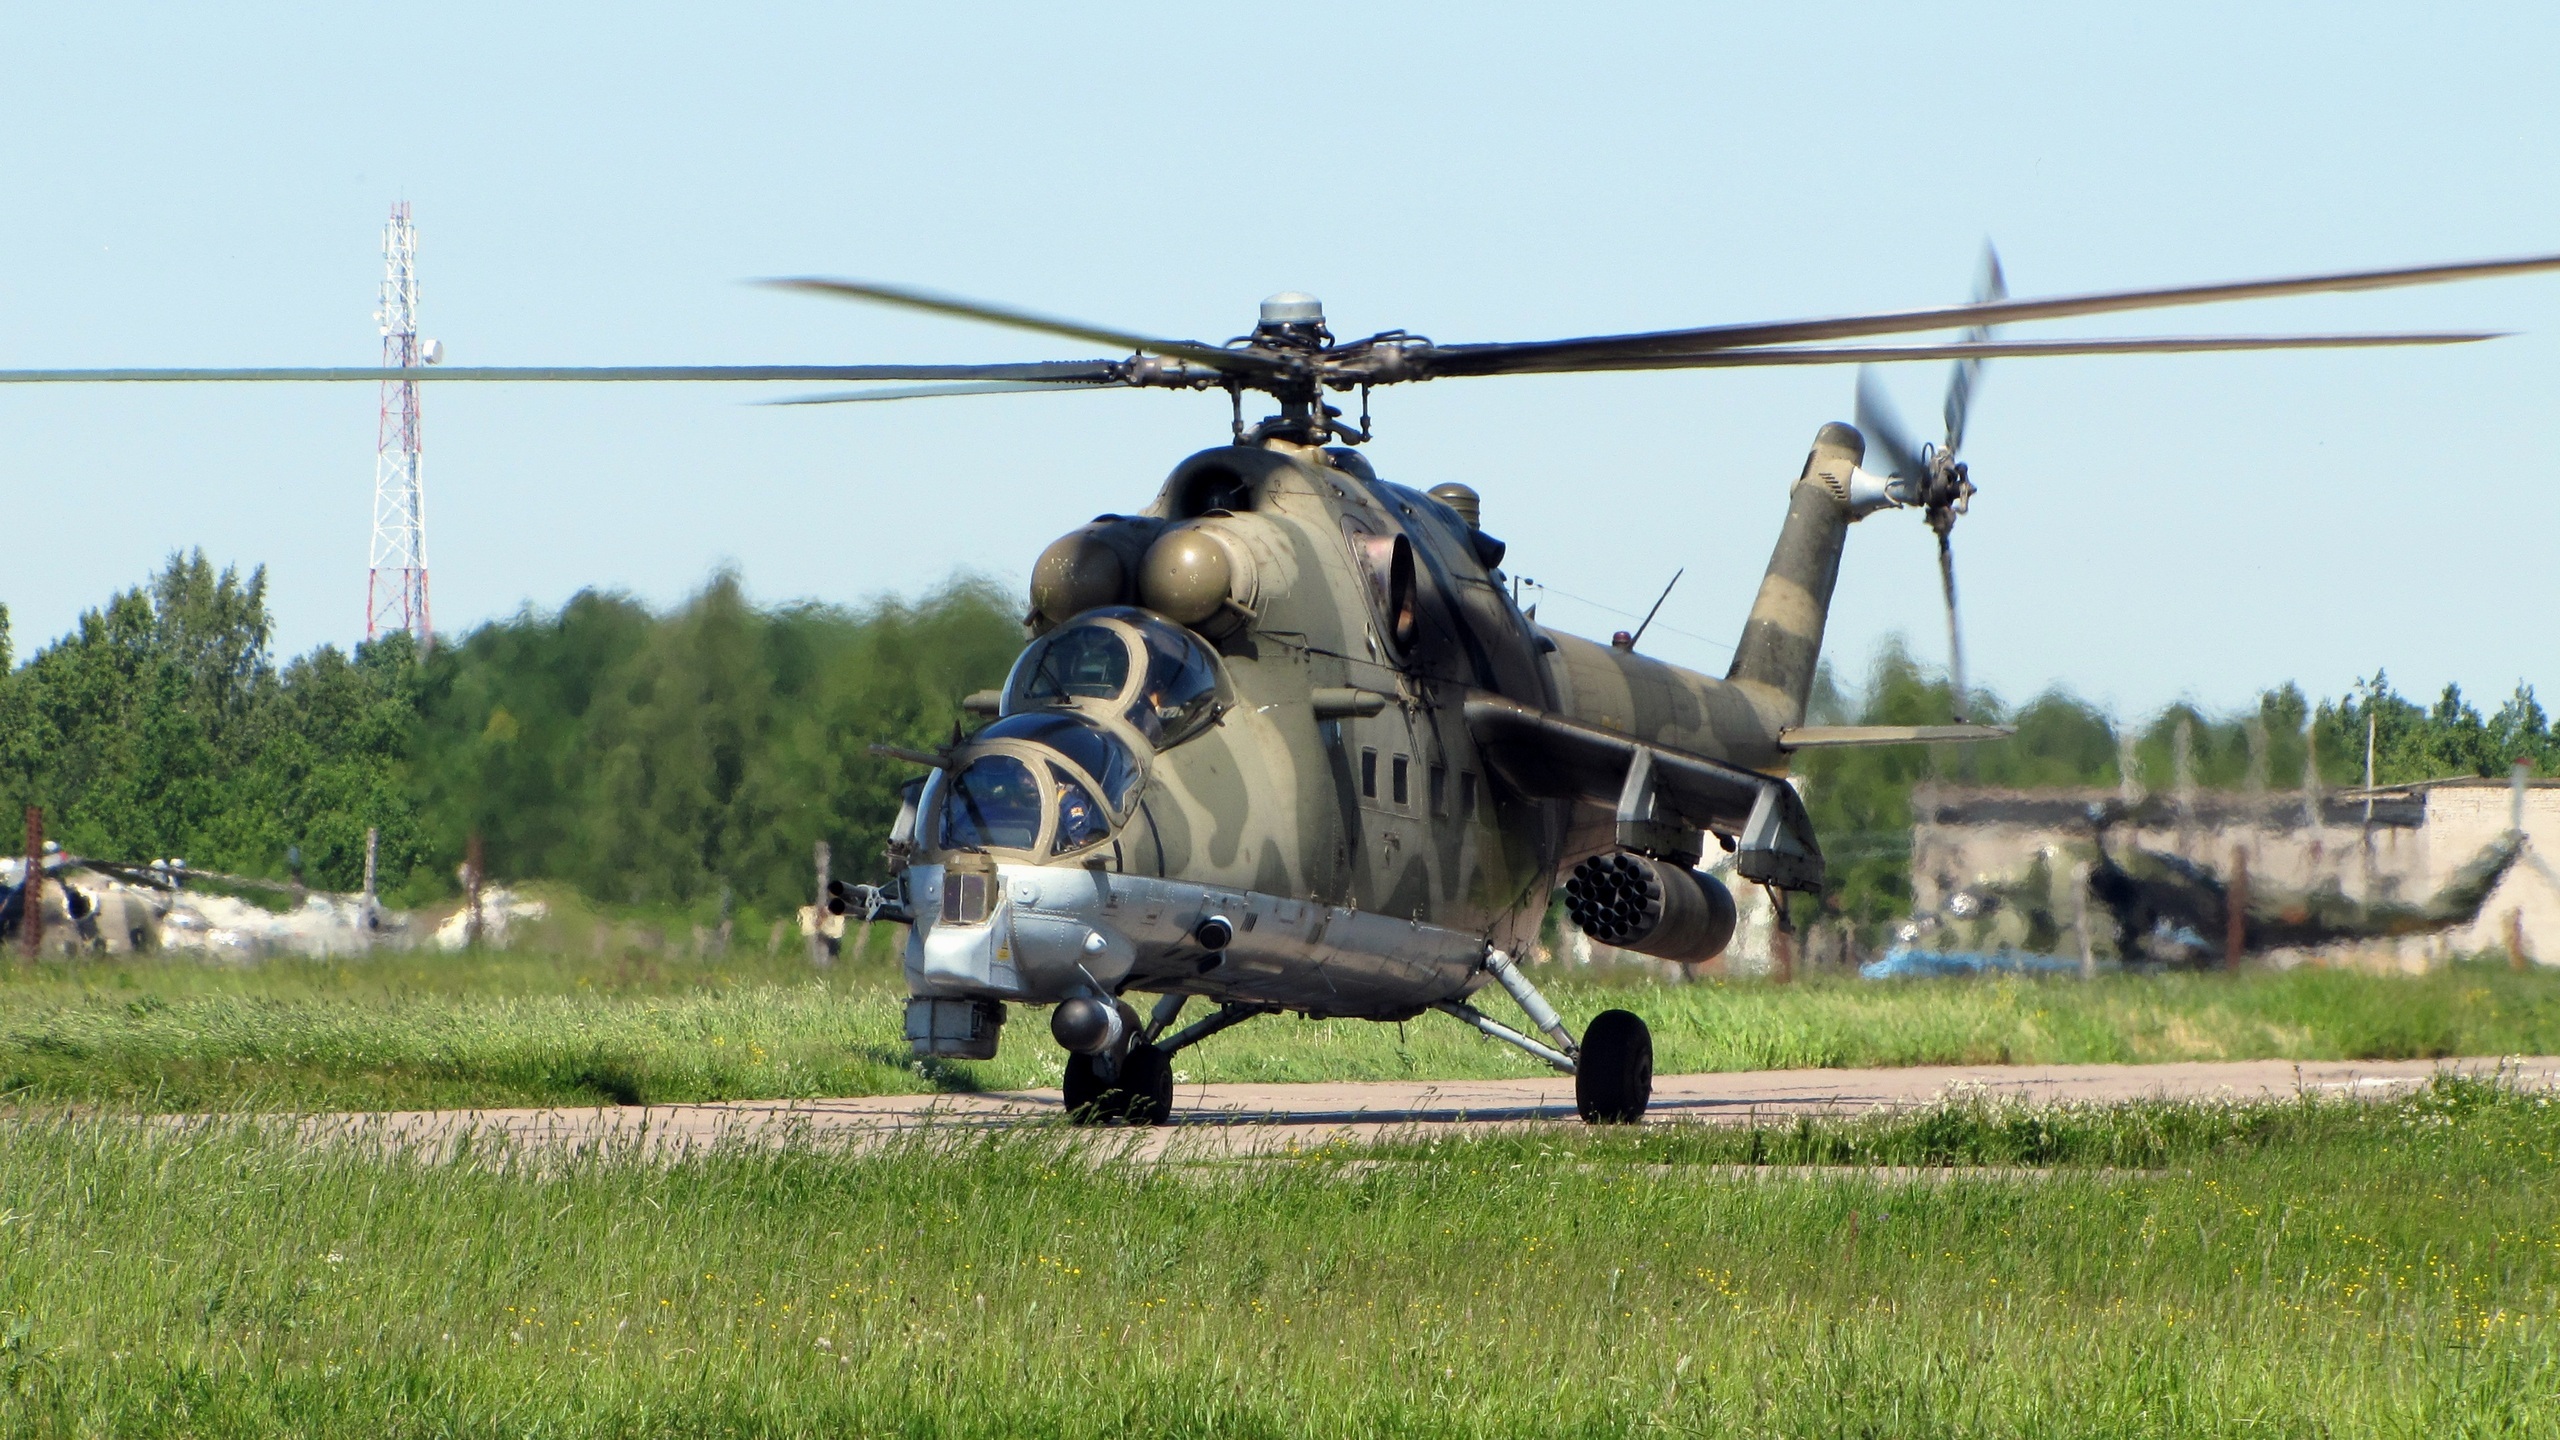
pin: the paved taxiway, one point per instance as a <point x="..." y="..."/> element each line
<point x="1243" y="1119"/>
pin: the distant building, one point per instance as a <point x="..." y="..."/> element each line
<point x="2392" y="843"/>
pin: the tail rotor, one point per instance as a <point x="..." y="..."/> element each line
<point x="1931" y="477"/>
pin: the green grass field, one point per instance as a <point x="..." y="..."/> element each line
<point x="2303" y="1268"/>
<point x="527" y="1029"/>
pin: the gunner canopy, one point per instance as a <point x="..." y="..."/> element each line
<point x="1052" y="784"/>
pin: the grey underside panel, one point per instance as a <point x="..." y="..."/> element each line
<point x="1296" y="954"/>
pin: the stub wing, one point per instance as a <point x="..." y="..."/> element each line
<point x="1653" y="787"/>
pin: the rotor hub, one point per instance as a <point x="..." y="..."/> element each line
<point x="1292" y="320"/>
<point x="1293" y="307"/>
<point x="1949" y="490"/>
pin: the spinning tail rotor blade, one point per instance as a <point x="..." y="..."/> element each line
<point x="1989" y="288"/>
<point x="1883" y="429"/>
<point x="1950" y="487"/>
<point x="1955" y="631"/>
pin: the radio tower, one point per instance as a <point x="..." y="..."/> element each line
<point x="396" y="586"/>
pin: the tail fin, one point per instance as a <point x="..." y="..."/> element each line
<point x="1782" y="641"/>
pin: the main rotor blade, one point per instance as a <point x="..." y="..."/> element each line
<point x="1988" y="287"/>
<point x="1883" y="428"/>
<point x="1952" y="350"/>
<point x="1955" y="632"/>
<point x="1483" y="359"/>
<point x="926" y="392"/>
<point x="1051" y="371"/>
<point x="931" y="303"/>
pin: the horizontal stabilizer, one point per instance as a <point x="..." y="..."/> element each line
<point x="1827" y="737"/>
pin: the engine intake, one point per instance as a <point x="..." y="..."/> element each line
<point x="1092" y="566"/>
<point x="1635" y="902"/>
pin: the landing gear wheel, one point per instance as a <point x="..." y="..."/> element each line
<point x="1084" y="1092"/>
<point x="1613" y="1079"/>
<point x="1143" y="1095"/>
<point x="1146" y="1086"/>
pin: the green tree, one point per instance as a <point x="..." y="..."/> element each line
<point x="160" y="727"/>
<point x="654" y="759"/>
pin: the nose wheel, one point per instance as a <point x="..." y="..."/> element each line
<point x="1141" y="1094"/>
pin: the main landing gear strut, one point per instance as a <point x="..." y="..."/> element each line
<point x="1612" y="1067"/>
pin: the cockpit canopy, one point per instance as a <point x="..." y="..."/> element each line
<point x="1087" y="747"/>
<point x="1126" y="663"/>
<point x="1048" y="784"/>
<point x="1059" y="770"/>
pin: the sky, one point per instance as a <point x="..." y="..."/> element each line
<point x="598" y="185"/>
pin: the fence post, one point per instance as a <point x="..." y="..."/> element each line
<point x="2235" y="928"/>
<point x="473" y="868"/>
<point x="819" y="953"/>
<point x="31" y="885"/>
<point x="366" y="909"/>
<point x="2080" y="921"/>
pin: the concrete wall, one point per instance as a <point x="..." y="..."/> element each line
<point x="2416" y="839"/>
<point x="2462" y="816"/>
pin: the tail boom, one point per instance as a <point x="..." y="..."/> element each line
<point x="1782" y="640"/>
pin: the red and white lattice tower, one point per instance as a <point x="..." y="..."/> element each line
<point x="396" y="586"/>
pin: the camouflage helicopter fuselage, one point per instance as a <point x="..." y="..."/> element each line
<point x="1340" y="769"/>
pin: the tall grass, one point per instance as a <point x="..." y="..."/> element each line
<point x="2294" y="1269"/>
<point x="519" y="1029"/>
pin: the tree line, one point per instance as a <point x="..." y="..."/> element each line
<point x="659" y="758"/>
<point x="671" y="758"/>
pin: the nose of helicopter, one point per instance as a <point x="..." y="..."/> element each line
<point x="1035" y="933"/>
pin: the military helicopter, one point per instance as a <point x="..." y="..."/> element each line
<point x="1282" y="740"/>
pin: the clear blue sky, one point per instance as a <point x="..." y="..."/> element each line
<point x="206" y="185"/>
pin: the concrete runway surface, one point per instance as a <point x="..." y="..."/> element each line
<point x="1246" y="1119"/>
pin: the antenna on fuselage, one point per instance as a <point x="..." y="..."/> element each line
<point x="1657" y="608"/>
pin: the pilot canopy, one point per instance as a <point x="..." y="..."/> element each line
<point x="1125" y="664"/>
<point x="1061" y="769"/>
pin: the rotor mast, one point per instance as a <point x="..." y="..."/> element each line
<point x="396" y="581"/>
<point x="1292" y="325"/>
